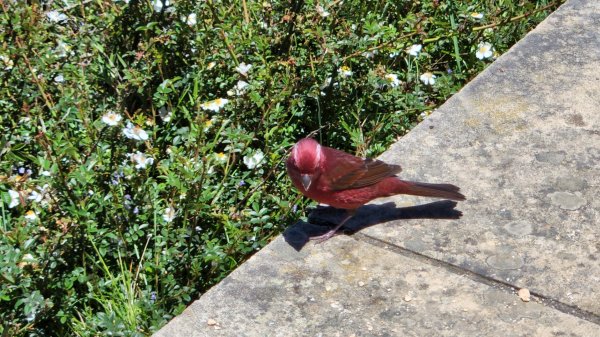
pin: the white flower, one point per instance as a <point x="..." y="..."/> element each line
<point x="140" y="159"/>
<point x="169" y="214"/>
<point x="191" y="19"/>
<point x="56" y="16"/>
<point x="158" y="5"/>
<point x="40" y="195"/>
<point x="414" y="50"/>
<point x="15" y="198"/>
<point x="243" y="68"/>
<point x="111" y="118"/>
<point x="208" y="124"/>
<point x="165" y="114"/>
<point x="239" y="89"/>
<point x="45" y="173"/>
<point x="392" y="80"/>
<point x="322" y="12"/>
<point x="428" y="78"/>
<point x="8" y="63"/>
<point x="35" y="196"/>
<point x="477" y="16"/>
<point x="59" y="78"/>
<point x="345" y="71"/>
<point x="62" y="49"/>
<point x="484" y="50"/>
<point x="135" y="132"/>
<point x="214" y="105"/>
<point x="220" y="157"/>
<point x="30" y="215"/>
<point x="254" y="160"/>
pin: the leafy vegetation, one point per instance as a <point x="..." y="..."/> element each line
<point x="142" y="142"/>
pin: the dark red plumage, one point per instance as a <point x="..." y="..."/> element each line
<point x="341" y="180"/>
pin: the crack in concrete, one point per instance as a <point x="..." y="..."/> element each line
<point x="492" y="282"/>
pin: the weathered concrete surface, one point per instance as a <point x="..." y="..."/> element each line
<point x="353" y="288"/>
<point x="523" y="142"/>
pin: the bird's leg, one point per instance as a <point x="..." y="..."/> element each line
<point x="328" y="235"/>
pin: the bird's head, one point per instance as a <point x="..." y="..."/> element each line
<point x="306" y="156"/>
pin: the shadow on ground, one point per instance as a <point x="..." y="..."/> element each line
<point x="321" y="219"/>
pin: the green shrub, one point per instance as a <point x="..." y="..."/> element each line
<point x="142" y="148"/>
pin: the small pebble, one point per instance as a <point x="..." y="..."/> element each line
<point x="211" y="322"/>
<point x="361" y="284"/>
<point x="407" y="298"/>
<point x="524" y="295"/>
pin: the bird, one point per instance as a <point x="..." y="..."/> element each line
<point x="344" y="181"/>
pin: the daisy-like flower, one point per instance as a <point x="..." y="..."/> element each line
<point x="321" y="11"/>
<point x="56" y="16"/>
<point x="221" y="157"/>
<point x="239" y="89"/>
<point x="169" y="214"/>
<point x="484" y="50"/>
<point x="414" y="50"/>
<point x="476" y="15"/>
<point x="59" y="78"/>
<point x="110" y="118"/>
<point x="36" y="196"/>
<point x="30" y="215"/>
<point x="165" y="114"/>
<point x="191" y="19"/>
<point x="8" y="63"/>
<point x="135" y="132"/>
<point x="428" y="78"/>
<point x="255" y="160"/>
<point x="141" y="160"/>
<point x="214" y="105"/>
<point x="345" y="71"/>
<point x="15" y="198"/>
<point x="243" y="68"/>
<point x="392" y="80"/>
<point x="208" y="124"/>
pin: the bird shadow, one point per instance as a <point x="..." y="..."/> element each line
<point x="322" y="218"/>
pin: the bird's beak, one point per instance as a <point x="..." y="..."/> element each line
<point x="306" y="181"/>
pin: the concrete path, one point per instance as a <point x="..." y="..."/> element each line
<point x="522" y="140"/>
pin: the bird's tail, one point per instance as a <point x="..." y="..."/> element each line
<point x="445" y="191"/>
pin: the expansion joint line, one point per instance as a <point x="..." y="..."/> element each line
<point x="489" y="281"/>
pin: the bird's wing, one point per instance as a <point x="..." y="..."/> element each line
<point x="345" y="171"/>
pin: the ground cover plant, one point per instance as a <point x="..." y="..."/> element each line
<point x="142" y="141"/>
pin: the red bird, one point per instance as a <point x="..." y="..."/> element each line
<point x="341" y="180"/>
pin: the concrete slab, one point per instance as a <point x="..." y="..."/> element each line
<point x="350" y="287"/>
<point x="523" y="142"/>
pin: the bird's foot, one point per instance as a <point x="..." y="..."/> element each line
<point x="324" y="237"/>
